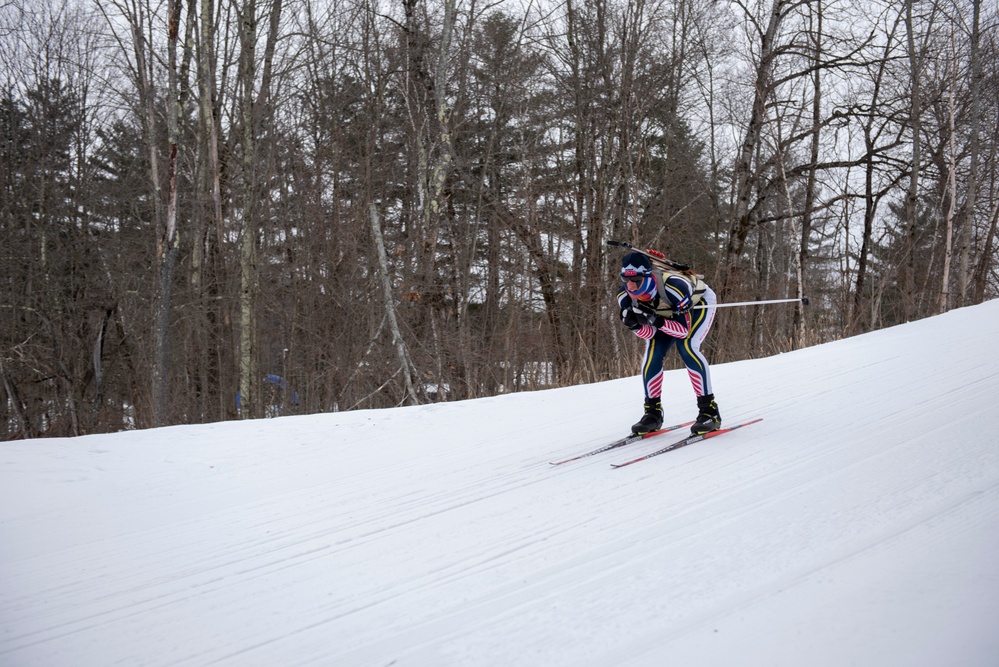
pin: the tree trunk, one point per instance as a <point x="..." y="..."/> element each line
<point x="249" y="375"/>
<point x="986" y="260"/>
<point x="798" y="324"/>
<point x="167" y="243"/>
<point x="908" y="266"/>
<point x="405" y="364"/>
<point x="743" y="175"/>
<point x="967" y="219"/>
<point x="950" y="200"/>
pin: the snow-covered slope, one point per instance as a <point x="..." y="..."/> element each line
<point x="857" y="524"/>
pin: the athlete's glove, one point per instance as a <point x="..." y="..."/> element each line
<point x="649" y="315"/>
<point x="656" y="320"/>
<point x="632" y="319"/>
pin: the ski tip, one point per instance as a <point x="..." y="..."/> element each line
<point x="728" y="429"/>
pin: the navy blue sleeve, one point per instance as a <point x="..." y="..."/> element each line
<point x="623" y="300"/>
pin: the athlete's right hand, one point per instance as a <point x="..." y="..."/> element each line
<point x="631" y="319"/>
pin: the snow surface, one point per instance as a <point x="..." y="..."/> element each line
<point x="857" y="524"/>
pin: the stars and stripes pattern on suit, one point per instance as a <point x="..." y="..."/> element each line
<point x="686" y="331"/>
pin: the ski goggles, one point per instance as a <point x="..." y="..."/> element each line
<point x="635" y="273"/>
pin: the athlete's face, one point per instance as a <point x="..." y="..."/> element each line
<point x="639" y="285"/>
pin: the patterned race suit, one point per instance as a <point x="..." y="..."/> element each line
<point x="687" y="331"/>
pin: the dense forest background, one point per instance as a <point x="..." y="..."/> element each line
<point x="214" y="209"/>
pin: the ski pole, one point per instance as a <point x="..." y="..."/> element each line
<point x="803" y="300"/>
<point x="684" y="267"/>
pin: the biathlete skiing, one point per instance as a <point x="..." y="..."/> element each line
<point x="655" y="303"/>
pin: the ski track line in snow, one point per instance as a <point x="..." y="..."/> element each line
<point x="857" y="461"/>
<point x="225" y="562"/>
<point x="719" y="440"/>
<point x="532" y="595"/>
<point x="864" y="543"/>
<point x="977" y="509"/>
<point x="228" y="564"/>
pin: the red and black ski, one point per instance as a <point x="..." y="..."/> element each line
<point x="689" y="440"/>
<point x="622" y="442"/>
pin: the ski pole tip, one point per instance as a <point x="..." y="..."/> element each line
<point x="804" y="300"/>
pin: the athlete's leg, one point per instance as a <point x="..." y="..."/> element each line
<point x="652" y="364"/>
<point x="690" y="347"/>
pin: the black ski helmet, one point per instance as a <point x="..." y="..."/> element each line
<point x="635" y="263"/>
<point x="637" y="268"/>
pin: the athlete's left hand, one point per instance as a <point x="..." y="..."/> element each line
<point x="655" y="319"/>
<point x="651" y="316"/>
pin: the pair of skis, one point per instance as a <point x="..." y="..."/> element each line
<point x="689" y="440"/>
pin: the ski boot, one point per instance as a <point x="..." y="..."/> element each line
<point x="708" y="418"/>
<point x="652" y="420"/>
